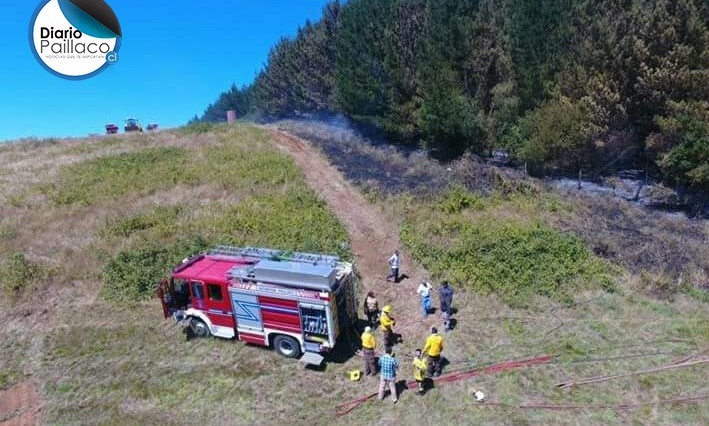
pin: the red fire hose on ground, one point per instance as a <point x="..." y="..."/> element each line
<point x="345" y="408"/>
<point x="624" y="406"/>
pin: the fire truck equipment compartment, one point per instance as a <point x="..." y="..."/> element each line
<point x="313" y="276"/>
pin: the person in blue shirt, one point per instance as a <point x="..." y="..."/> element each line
<point x="424" y="291"/>
<point x="388" y="365"/>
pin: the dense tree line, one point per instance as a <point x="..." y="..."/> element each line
<point x="565" y="86"/>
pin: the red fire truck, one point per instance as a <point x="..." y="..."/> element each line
<point x="296" y="303"/>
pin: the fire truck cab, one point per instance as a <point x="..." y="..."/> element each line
<point x="296" y="303"/>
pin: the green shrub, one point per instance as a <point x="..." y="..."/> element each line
<point x="297" y="220"/>
<point x="133" y="275"/>
<point x="163" y="219"/>
<point x="688" y="163"/>
<point x="243" y="161"/>
<point x="556" y="136"/>
<point x="458" y="199"/>
<point x="19" y="273"/>
<point x="514" y="260"/>
<point x="138" y="173"/>
<point x="255" y="167"/>
<point x="371" y="193"/>
<point x="275" y="209"/>
<point x="9" y="378"/>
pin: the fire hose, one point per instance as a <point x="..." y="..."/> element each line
<point x="347" y="407"/>
<point x="625" y="406"/>
<point x="590" y="380"/>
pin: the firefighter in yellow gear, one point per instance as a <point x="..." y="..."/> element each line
<point x="368" y="345"/>
<point x="387" y="322"/>
<point x="420" y="367"/>
<point x="433" y="349"/>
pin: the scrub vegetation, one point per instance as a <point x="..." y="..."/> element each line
<point x="480" y="244"/>
<point x="297" y="220"/>
<point x="665" y="253"/>
<point x="271" y="207"/>
<point x="104" y="222"/>
<point x="151" y="169"/>
<point x="529" y="280"/>
<point x="18" y="273"/>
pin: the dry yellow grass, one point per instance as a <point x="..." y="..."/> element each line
<point x="97" y="362"/>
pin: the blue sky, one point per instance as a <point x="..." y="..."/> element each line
<point x="176" y="57"/>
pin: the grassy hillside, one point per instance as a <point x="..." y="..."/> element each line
<point x="606" y="285"/>
<point x="89" y="225"/>
<point x="85" y="224"/>
<point x="440" y="203"/>
<point x="491" y="246"/>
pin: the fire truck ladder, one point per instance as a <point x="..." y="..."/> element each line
<point x="271" y="254"/>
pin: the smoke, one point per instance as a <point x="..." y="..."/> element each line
<point x="368" y="160"/>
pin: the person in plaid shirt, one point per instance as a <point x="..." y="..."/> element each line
<point x="387" y="371"/>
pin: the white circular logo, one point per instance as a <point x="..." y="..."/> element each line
<point x="75" y="39"/>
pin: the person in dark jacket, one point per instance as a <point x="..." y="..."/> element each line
<point x="445" y="294"/>
<point x="371" y="309"/>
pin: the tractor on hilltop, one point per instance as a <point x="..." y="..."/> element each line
<point x="132" y="125"/>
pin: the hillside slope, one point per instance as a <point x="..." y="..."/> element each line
<point x="94" y="348"/>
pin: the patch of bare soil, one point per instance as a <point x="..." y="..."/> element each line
<point x="20" y="405"/>
<point x="372" y="236"/>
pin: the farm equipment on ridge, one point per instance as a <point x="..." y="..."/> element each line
<point x="132" y="125"/>
<point x="111" y="129"/>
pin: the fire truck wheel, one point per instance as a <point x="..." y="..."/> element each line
<point x="286" y="346"/>
<point x="199" y="327"/>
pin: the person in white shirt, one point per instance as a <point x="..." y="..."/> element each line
<point x="394" y="267"/>
<point x="424" y="291"/>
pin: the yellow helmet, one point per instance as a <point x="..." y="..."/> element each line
<point x="387" y="309"/>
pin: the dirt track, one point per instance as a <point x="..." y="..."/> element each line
<point x="19" y="405"/>
<point x="373" y="238"/>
